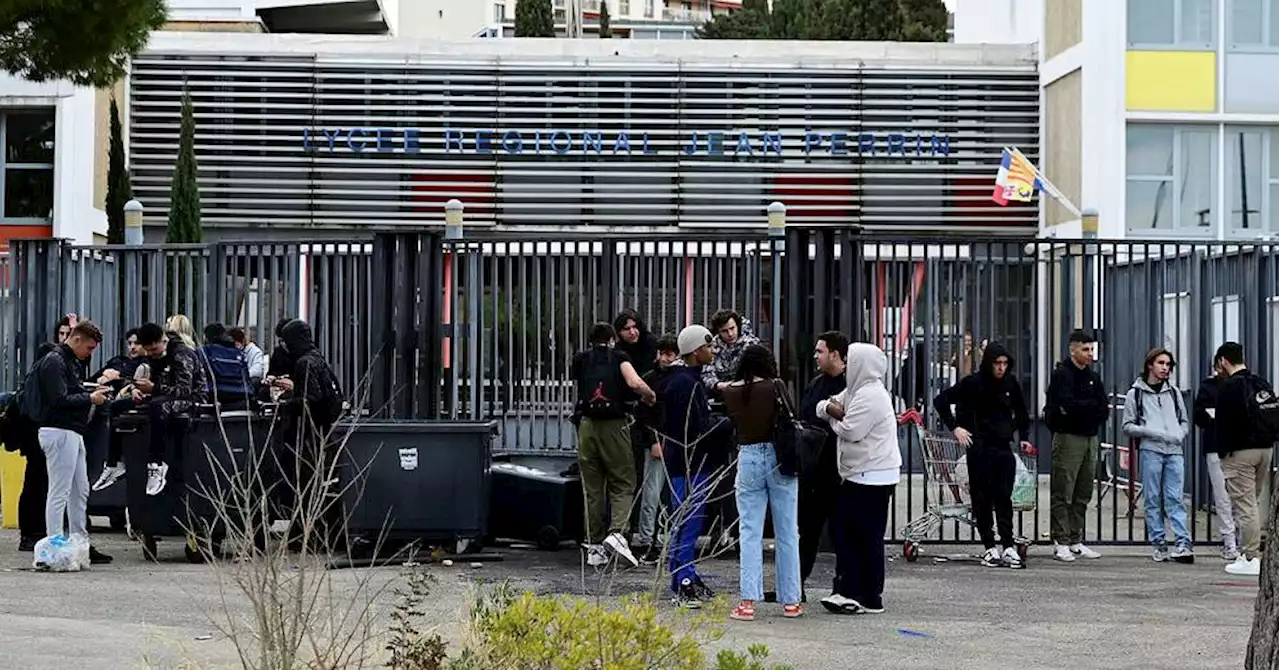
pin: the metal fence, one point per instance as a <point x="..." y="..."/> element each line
<point x="422" y="327"/>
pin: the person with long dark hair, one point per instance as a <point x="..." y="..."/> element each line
<point x="753" y="400"/>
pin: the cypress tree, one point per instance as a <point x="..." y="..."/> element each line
<point x="184" y="191"/>
<point x="118" y="190"/>
<point x="535" y="19"/>
<point x="606" y="30"/>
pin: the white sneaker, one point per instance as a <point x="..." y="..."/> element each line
<point x="1012" y="558"/>
<point x="1230" y="554"/>
<point x="991" y="558"/>
<point x="1245" y="567"/>
<point x="596" y="556"/>
<point x="1084" y="552"/>
<point x="618" y="545"/>
<point x="838" y="604"/>
<point x="156" y="473"/>
<point x="1062" y="553"/>
<point x="110" y="475"/>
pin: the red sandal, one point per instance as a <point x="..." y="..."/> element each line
<point x="792" y="611"/>
<point x="743" y="612"/>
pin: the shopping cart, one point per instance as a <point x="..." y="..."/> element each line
<point x="947" y="488"/>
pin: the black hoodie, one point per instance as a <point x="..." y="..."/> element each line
<point x="989" y="408"/>
<point x="313" y="379"/>
<point x="1077" y="402"/>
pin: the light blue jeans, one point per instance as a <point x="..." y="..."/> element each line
<point x="1162" y="491"/>
<point x="655" y="477"/>
<point x="760" y="484"/>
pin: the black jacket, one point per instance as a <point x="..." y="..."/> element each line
<point x="1236" y="428"/>
<point x="125" y="366"/>
<point x="820" y="388"/>
<point x="1077" y="402"/>
<point x="315" y="389"/>
<point x="1207" y="399"/>
<point x="58" y="399"/>
<point x="182" y="376"/>
<point x="992" y="409"/>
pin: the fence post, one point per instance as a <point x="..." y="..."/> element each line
<point x="382" y="327"/>
<point x="133" y="223"/>
<point x="1089" y="260"/>
<point x="777" y="219"/>
<point x="37" y="282"/>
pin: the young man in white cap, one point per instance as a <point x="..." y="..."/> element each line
<point x="694" y="448"/>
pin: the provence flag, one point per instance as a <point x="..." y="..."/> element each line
<point x="1017" y="179"/>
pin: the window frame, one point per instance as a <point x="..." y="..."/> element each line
<point x="1268" y="21"/>
<point x="6" y="166"/>
<point x="1177" y="44"/>
<point x="1270" y="177"/>
<point x="1175" y="180"/>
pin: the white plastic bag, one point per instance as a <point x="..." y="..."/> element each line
<point x="1024" y="487"/>
<point x="961" y="477"/>
<point x="59" y="553"/>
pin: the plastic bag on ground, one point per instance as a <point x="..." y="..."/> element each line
<point x="59" y="553"/>
<point x="1024" y="487"/>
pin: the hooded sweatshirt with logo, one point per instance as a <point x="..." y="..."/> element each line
<point x="1163" y="421"/>
<point x="990" y="408"/>
<point x="867" y="437"/>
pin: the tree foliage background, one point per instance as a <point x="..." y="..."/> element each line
<point x="118" y="189"/>
<point x="606" y="29"/>
<point x="87" y="42"/>
<point x="534" y="19"/>
<point x="867" y="20"/>
<point x="184" y="191"/>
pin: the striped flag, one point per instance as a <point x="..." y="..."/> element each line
<point x="1017" y="179"/>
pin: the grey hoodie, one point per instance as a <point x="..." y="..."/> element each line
<point x="867" y="437"/>
<point x="1165" y="419"/>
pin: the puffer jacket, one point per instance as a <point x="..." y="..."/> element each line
<point x="727" y="356"/>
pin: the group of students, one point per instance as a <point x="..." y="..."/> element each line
<point x="1235" y="409"/>
<point x="162" y="376"/>
<point x="685" y="404"/>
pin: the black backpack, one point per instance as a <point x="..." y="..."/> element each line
<point x="1261" y="408"/>
<point x="601" y="391"/>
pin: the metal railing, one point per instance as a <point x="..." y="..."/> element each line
<point x="486" y="327"/>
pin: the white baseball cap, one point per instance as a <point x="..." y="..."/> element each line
<point x="692" y="338"/>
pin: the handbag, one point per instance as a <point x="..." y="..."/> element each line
<point x="798" y="444"/>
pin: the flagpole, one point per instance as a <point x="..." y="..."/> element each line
<point x="1050" y="187"/>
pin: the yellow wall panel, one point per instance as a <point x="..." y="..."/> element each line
<point x="1170" y="81"/>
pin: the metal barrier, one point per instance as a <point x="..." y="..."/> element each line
<point x="418" y="326"/>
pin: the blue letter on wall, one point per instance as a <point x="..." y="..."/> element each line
<point x="452" y="139"/>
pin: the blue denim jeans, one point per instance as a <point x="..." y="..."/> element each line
<point x="761" y="485"/>
<point x="1162" y="491"/>
<point x="654" y="478"/>
<point x="683" y="552"/>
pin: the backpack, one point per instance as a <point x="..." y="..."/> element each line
<point x="1262" y="408"/>
<point x="601" y="392"/>
<point x="229" y="368"/>
<point x="16" y="429"/>
<point x="327" y="410"/>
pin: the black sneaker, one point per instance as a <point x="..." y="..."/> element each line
<point x="687" y="596"/>
<point x="98" y="558"/>
<point x="649" y="555"/>
<point x="704" y="592"/>
<point x="27" y="543"/>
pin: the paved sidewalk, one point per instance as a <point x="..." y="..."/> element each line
<point x="1119" y="612"/>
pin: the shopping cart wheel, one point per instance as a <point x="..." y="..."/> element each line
<point x="911" y="551"/>
<point x="1022" y="550"/>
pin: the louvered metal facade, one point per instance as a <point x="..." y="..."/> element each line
<point x="578" y="135"/>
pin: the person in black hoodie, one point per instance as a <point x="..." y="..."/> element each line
<point x="989" y="408"/>
<point x="1203" y="412"/>
<point x="1245" y="423"/>
<point x="818" y="488"/>
<point x="310" y="406"/>
<point x="1076" y="410"/>
<point x="58" y="403"/>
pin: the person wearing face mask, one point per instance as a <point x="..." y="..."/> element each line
<point x="1155" y="418"/>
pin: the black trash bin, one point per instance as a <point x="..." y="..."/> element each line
<point x="201" y="464"/>
<point x="416" y="480"/>
<point x="111" y="501"/>
<point x="535" y="503"/>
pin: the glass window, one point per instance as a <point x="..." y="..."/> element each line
<point x="1149" y="150"/>
<point x="1169" y="23"/>
<point x="1151" y="21"/>
<point x="28" y="193"/>
<point x="26" y="164"/>
<point x="1148" y="205"/>
<point x="1245" y="178"/>
<point x="624" y="8"/>
<point x="1198" y="180"/>
<point x="1252" y="25"/>
<point x="29" y="137"/>
<point x="1171" y="178"/>
<point x="648" y="9"/>
<point x="499" y="11"/>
